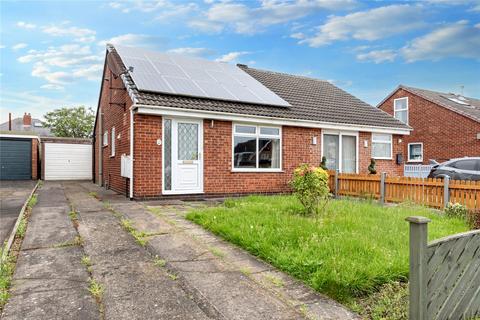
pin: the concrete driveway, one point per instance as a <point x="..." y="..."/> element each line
<point x="13" y="195"/>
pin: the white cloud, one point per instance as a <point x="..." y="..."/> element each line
<point x="244" y="19"/>
<point x="368" y="25"/>
<point x="298" y="35"/>
<point x="190" y="51"/>
<point x="51" y="86"/>
<point x="62" y="56"/>
<point x="167" y="9"/>
<point x="37" y="105"/>
<point x="26" y="25"/>
<point x="93" y="72"/>
<point x="206" y="26"/>
<point x="377" y="56"/>
<point x="63" y="65"/>
<point x="173" y="11"/>
<point x="232" y="56"/>
<point x="40" y="70"/>
<point x="19" y="46"/>
<point x="454" y="40"/>
<point x="64" y="30"/>
<point x="129" y="39"/>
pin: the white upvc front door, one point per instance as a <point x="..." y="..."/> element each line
<point x="182" y="156"/>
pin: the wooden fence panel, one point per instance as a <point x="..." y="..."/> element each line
<point x="444" y="274"/>
<point x="422" y="191"/>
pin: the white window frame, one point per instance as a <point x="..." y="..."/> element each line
<point x="385" y="142"/>
<point x="258" y="136"/>
<point x="105" y="139"/>
<point x="112" y="146"/>
<point x="413" y="160"/>
<point x="340" y="155"/>
<point x="395" y="110"/>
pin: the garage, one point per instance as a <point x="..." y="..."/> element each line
<point x="67" y="159"/>
<point x="15" y="158"/>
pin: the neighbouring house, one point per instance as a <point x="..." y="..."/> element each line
<point x="173" y="125"/>
<point x="25" y="125"/>
<point x="445" y="125"/>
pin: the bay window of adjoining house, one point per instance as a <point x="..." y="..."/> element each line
<point x="340" y="150"/>
<point x="256" y="147"/>
<point x="400" y="109"/>
<point x="381" y="146"/>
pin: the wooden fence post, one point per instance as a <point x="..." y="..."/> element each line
<point x="382" y="187"/>
<point x="336" y="183"/>
<point x="418" y="267"/>
<point x="446" y="191"/>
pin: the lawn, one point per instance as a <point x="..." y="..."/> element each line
<point x="352" y="250"/>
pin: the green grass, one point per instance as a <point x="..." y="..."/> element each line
<point x="96" y="289"/>
<point x="159" y="262"/>
<point x="7" y="267"/>
<point x="33" y="201"/>
<point x="352" y="250"/>
<point x="140" y="236"/>
<point x="73" y="215"/>
<point x="389" y="302"/>
<point x="22" y="227"/>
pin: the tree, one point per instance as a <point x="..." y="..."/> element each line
<point x="76" y="122"/>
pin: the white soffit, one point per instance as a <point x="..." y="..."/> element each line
<point x="194" y="77"/>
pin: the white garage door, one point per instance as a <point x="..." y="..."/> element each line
<point x="65" y="161"/>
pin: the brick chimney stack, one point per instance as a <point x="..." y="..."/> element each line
<point x="27" y="119"/>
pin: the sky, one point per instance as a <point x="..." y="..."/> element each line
<point x="52" y="52"/>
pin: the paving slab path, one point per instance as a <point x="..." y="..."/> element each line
<point x="13" y="195"/>
<point x="49" y="281"/>
<point x="135" y="288"/>
<point x="225" y="281"/>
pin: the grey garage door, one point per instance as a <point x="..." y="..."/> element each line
<point x="15" y="159"/>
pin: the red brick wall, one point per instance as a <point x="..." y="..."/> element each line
<point x="115" y="106"/>
<point x="445" y="134"/>
<point x="388" y="166"/>
<point x="218" y="177"/>
<point x="147" y="167"/>
<point x="35" y="159"/>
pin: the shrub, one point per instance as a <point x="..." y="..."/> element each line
<point x="371" y="167"/>
<point x="310" y="186"/>
<point x="323" y="164"/>
<point x="456" y="210"/>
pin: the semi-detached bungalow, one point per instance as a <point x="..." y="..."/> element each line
<point x="173" y="125"/>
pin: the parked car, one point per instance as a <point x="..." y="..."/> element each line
<point x="458" y="169"/>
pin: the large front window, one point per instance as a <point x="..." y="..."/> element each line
<point x="256" y="148"/>
<point x="340" y="150"/>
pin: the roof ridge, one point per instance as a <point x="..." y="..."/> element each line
<point x="283" y="74"/>
<point x="438" y="92"/>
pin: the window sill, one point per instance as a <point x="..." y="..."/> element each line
<point x="112" y="156"/>
<point x="391" y="158"/>
<point x="258" y="170"/>
<point x="415" y="161"/>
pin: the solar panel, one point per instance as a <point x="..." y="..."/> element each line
<point x="195" y="77"/>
